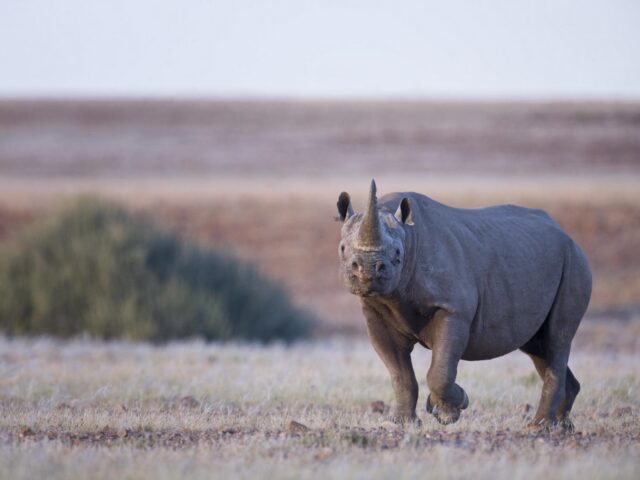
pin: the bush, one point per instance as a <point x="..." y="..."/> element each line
<point x="96" y="268"/>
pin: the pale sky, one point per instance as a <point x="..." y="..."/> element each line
<point x="529" y="49"/>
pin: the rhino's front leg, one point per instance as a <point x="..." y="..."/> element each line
<point x="447" y="398"/>
<point x="395" y="351"/>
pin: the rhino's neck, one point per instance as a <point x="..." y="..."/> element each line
<point x="409" y="261"/>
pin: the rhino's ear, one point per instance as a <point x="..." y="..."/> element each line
<point x="345" y="210"/>
<point x="404" y="212"/>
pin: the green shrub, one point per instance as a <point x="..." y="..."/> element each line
<point x="96" y="268"/>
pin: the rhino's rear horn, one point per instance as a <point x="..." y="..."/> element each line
<point x="370" y="235"/>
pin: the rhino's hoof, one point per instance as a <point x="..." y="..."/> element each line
<point x="545" y="425"/>
<point x="463" y="405"/>
<point x="404" y="419"/>
<point x="445" y="414"/>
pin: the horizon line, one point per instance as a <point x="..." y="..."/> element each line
<point x="294" y="98"/>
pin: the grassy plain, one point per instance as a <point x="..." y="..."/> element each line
<point x="102" y="410"/>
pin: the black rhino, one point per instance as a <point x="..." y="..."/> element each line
<point x="468" y="284"/>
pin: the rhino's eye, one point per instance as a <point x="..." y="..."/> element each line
<point x="342" y="248"/>
<point x="397" y="252"/>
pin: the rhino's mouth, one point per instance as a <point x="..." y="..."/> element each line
<point x="374" y="289"/>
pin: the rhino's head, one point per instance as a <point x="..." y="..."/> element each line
<point x="372" y="247"/>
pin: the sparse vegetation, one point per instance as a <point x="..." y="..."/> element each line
<point x="95" y="268"/>
<point x="197" y="410"/>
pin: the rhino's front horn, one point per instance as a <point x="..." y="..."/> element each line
<point x="370" y="235"/>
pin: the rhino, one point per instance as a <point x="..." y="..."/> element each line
<point x="468" y="284"/>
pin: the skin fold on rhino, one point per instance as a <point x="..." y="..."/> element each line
<point x="469" y="284"/>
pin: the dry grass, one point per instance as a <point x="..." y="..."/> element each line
<point x="104" y="410"/>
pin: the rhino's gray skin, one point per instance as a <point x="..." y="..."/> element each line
<point x="468" y="284"/>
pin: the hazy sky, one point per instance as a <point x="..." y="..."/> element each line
<point x="472" y="48"/>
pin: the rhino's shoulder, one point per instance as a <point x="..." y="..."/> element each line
<point x="418" y="201"/>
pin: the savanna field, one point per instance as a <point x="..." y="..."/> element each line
<point x="198" y="410"/>
<point x="261" y="180"/>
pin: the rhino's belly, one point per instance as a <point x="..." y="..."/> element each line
<point x="512" y="307"/>
<point x="502" y="335"/>
<point x="497" y="343"/>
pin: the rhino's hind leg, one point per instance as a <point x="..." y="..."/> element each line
<point x="558" y="391"/>
<point x="550" y="346"/>
<point x="572" y="388"/>
<point x="549" y="350"/>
